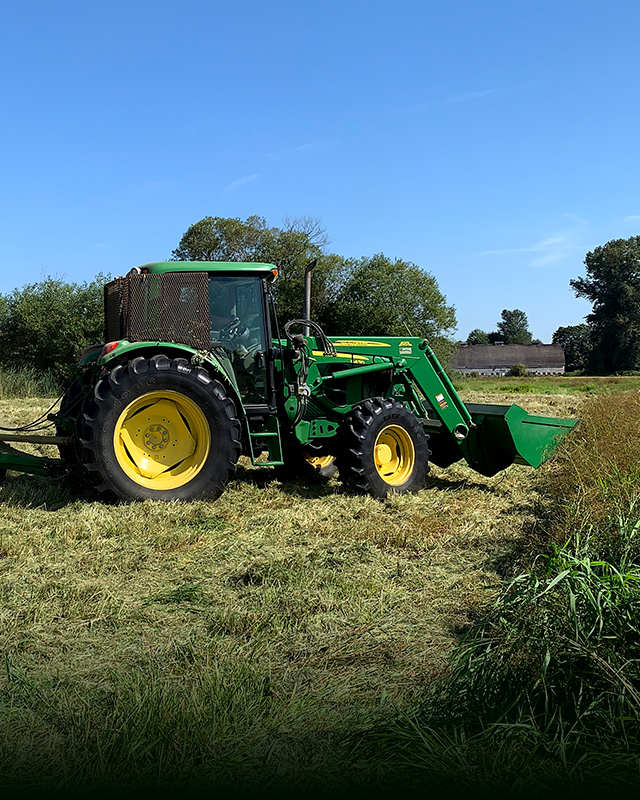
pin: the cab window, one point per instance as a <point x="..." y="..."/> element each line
<point x="237" y="321"/>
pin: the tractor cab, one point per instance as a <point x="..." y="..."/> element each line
<point x="218" y="308"/>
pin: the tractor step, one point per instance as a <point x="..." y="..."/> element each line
<point x="266" y="439"/>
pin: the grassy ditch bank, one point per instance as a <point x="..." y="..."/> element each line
<point x="544" y="691"/>
<point x="27" y="382"/>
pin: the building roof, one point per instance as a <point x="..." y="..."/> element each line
<point x="485" y="356"/>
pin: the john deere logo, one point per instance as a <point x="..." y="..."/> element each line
<point x="405" y="348"/>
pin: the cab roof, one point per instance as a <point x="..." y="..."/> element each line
<point x="160" y="267"/>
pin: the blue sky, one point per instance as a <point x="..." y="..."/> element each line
<point x="493" y="142"/>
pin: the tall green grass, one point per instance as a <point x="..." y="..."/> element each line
<point x="544" y="691"/>
<point x="23" y="382"/>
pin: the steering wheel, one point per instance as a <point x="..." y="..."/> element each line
<point x="233" y="330"/>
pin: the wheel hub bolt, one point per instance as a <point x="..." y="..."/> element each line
<point x="156" y="437"/>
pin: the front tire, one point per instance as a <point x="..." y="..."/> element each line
<point x="161" y="429"/>
<point x="385" y="449"/>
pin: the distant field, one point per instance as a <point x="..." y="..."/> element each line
<point x="548" y="385"/>
<point x="255" y="638"/>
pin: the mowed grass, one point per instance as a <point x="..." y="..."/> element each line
<point x="249" y="642"/>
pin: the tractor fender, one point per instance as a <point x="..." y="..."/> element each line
<point x="211" y="361"/>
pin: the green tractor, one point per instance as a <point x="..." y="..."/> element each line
<point x="196" y="372"/>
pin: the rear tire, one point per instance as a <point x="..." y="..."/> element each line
<point x="385" y="449"/>
<point x="161" y="429"/>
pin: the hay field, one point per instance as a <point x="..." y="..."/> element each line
<point x="258" y="636"/>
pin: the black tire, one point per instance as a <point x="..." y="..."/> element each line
<point x="71" y="409"/>
<point x="384" y="449"/>
<point x="161" y="429"/>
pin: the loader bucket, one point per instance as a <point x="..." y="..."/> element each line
<point x="505" y="435"/>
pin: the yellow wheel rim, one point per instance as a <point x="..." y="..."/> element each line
<point x="395" y="455"/>
<point x="162" y="440"/>
<point x="319" y="462"/>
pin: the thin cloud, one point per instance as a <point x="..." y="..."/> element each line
<point x="302" y="150"/>
<point x="547" y="251"/>
<point x="465" y="97"/>
<point x="241" y="182"/>
<point x="635" y="218"/>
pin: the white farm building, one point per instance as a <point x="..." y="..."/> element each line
<point x="498" y="359"/>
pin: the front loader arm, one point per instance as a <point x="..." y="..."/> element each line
<point x="488" y="437"/>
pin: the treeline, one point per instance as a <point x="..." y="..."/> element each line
<point x="609" y="341"/>
<point x="45" y="326"/>
<point x="513" y="328"/>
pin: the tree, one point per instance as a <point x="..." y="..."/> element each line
<point x="385" y="297"/>
<point x="575" y="340"/>
<point x="46" y="325"/>
<point x="291" y="248"/>
<point x="478" y="336"/>
<point x="612" y="285"/>
<point x="514" y="328"/>
<point x="224" y="239"/>
<point x="4" y="311"/>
